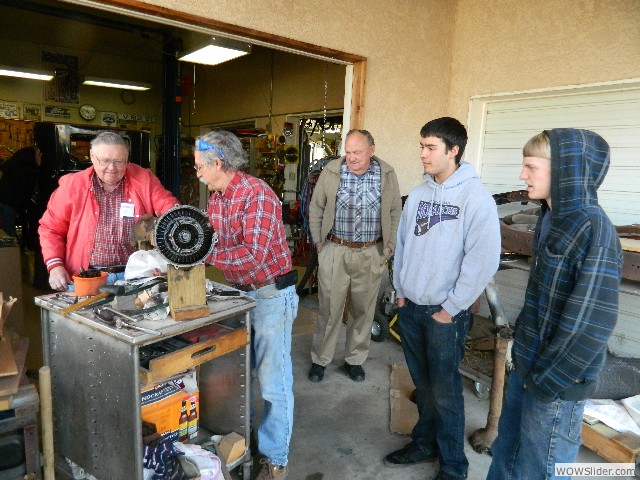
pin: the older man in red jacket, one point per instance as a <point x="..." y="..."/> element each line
<point x="90" y="215"/>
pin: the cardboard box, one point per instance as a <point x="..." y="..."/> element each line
<point x="231" y="447"/>
<point x="11" y="282"/>
<point x="161" y="405"/>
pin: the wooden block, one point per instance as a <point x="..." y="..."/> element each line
<point x="187" y="292"/>
<point x="10" y="385"/>
<point x="5" y="402"/>
<point x="611" y="445"/>
<point x="7" y="362"/>
<point x="630" y="245"/>
<point x="231" y="447"/>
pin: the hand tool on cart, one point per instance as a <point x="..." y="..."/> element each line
<point x="107" y="292"/>
<point x="85" y="303"/>
<point x="110" y="317"/>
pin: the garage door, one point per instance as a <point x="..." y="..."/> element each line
<point x="500" y="126"/>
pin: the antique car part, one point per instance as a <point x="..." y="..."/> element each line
<point x="184" y="236"/>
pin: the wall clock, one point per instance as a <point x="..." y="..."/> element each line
<point x="127" y="97"/>
<point x="88" y="112"/>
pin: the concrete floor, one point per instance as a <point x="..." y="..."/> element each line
<point x="341" y="428"/>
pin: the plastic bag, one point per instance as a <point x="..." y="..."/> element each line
<point x="142" y="263"/>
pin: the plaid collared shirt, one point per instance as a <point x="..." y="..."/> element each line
<point x="252" y="245"/>
<point x="111" y="245"/>
<point x="358" y="203"/>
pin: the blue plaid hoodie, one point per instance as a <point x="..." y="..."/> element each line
<point x="571" y="302"/>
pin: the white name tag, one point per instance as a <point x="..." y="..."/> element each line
<point x="126" y="210"/>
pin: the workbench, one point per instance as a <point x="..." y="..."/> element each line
<point x="97" y="377"/>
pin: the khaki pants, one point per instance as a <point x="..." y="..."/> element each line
<point x="346" y="272"/>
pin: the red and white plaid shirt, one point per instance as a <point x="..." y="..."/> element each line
<point x="252" y="245"/>
<point x="112" y="245"/>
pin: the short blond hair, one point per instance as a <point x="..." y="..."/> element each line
<point x="538" y="146"/>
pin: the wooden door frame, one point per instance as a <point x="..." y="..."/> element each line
<point x="187" y="21"/>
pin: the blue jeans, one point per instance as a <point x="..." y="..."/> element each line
<point x="533" y="436"/>
<point x="433" y="352"/>
<point x="271" y="323"/>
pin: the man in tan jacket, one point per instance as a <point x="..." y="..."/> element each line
<point x="353" y="217"/>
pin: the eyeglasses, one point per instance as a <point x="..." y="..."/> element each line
<point x="105" y="162"/>
<point x="197" y="168"/>
<point x="201" y="145"/>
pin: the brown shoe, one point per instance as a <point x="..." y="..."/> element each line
<point x="272" y="471"/>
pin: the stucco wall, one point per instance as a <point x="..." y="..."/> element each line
<point x="406" y="42"/>
<point x="503" y="46"/>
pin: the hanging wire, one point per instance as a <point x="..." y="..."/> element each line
<point x="193" y="88"/>
<point x="324" y="105"/>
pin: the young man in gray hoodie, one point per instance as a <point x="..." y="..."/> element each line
<point x="448" y="249"/>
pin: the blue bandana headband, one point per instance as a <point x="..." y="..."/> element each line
<point x="201" y="145"/>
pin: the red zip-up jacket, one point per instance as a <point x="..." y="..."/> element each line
<point x="67" y="228"/>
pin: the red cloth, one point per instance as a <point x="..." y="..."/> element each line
<point x="68" y="227"/>
<point x="252" y="245"/>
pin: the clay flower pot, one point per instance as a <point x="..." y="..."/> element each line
<point x="84" y="286"/>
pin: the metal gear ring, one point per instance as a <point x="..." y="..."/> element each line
<point x="184" y="236"/>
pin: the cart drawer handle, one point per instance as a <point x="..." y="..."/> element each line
<point x="199" y="353"/>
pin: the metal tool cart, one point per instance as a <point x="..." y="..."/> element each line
<point x="97" y="377"/>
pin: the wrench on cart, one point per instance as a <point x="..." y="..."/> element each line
<point x="110" y="316"/>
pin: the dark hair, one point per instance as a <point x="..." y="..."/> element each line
<point x="366" y="133"/>
<point x="450" y="131"/>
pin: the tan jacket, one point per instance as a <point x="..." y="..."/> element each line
<point x="322" y="208"/>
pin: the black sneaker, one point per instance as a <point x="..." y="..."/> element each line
<point x="316" y="373"/>
<point x="410" y="454"/>
<point x="355" y="372"/>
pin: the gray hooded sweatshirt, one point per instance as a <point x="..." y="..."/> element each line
<point x="448" y="246"/>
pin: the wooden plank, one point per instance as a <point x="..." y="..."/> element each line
<point x="10" y="385"/>
<point x="630" y="244"/>
<point x="7" y="362"/>
<point x="5" y="402"/>
<point x="357" y="94"/>
<point x="613" y="446"/>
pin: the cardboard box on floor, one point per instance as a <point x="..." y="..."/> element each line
<point x="231" y="447"/>
<point x="161" y="404"/>
<point x="404" y="413"/>
<point x="11" y="281"/>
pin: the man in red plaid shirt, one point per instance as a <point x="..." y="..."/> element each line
<point x="253" y="254"/>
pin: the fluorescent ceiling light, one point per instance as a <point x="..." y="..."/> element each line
<point x="112" y="83"/>
<point x="214" y="51"/>
<point x="26" y="73"/>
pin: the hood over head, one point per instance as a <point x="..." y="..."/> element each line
<point x="579" y="163"/>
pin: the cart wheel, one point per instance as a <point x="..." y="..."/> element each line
<point x="481" y="390"/>
<point x="379" y="327"/>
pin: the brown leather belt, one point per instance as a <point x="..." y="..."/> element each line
<point x="339" y="241"/>
<point x="250" y="287"/>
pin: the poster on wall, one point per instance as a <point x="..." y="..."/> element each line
<point x="108" y="119"/>
<point x="31" y="111"/>
<point x="9" y="110"/>
<point x="57" y="112"/>
<point x="63" y="88"/>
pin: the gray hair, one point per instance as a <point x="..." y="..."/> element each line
<point x="366" y="133"/>
<point x="109" y="138"/>
<point x="223" y="145"/>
